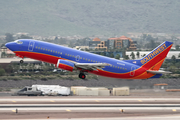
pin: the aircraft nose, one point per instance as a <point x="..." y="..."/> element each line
<point x="9" y="45"/>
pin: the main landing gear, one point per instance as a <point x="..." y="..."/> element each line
<point x="82" y="76"/>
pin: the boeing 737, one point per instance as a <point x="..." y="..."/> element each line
<point x="71" y="59"/>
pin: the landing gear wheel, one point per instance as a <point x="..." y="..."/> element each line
<point x="21" y="61"/>
<point x="82" y="76"/>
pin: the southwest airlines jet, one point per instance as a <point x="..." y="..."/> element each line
<point x="71" y="60"/>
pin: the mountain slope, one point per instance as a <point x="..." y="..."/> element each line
<point x="92" y="17"/>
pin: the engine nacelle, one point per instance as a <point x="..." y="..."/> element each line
<point x="65" y="65"/>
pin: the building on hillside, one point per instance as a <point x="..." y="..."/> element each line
<point x="121" y="42"/>
<point x="101" y="46"/>
<point x="94" y="43"/>
<point x="113" y="43"/>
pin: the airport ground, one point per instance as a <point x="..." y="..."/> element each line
<point x="83" y="107"/>
<point x="100" y="82"/>
<point x="144" y="102"/>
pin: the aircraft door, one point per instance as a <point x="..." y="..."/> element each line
<point x="77" y="58"/>
<point x="31" y="46"/>
<point x="133" y="68"/>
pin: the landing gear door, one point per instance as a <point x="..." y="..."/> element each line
<point x="31" y="46"/>
<point x="133" y="68"/>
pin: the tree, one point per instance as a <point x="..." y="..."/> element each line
<point x="62" y="41"/>
<point x="117" y="56"/>
<point x="132" y="55"/>
<point x="143" y="55"/>
<point x="126" y="57"/>
<point x="102" y="53"/>
<point x="137" y="54"/>
<point x="9" y="37"/>
<point x="112" y="55"/>
<point x="9" y="68"/>
<point x="177" y="47"/>
<point x="2" y="71"/>
<point x="173" y="58"/>
<point x="86" y="49"/>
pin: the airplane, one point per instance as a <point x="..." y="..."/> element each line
<point x="71" y="59"/>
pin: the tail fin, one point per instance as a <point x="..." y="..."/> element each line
<point x="156" y="57"/>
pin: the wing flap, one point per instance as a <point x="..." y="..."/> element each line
<point x="91" y="66"/>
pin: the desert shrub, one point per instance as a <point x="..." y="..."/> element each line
<point x="2" y="71"/>
<point x="4" y="79"/>
<point x="1" y="89"/>
<point x="44" y="79"/>
<point x="12" y="74"/>
<point x="16" y="79"/>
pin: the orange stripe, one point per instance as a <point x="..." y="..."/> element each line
<point x="146" y="74"/>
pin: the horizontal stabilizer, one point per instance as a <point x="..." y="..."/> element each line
<point x="158" y="72"/>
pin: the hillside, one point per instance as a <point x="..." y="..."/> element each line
<point x="89" y="17"/>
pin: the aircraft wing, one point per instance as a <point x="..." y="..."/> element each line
<point x="91" y="66"/>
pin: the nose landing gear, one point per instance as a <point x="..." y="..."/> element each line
<point x="21" y="61"/>
<point x="82" y="76"/>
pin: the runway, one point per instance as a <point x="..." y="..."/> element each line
<point x="87" y="100"/>
<point x="91" y="107"/>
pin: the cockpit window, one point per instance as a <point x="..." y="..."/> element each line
<point x="18" y="42"/>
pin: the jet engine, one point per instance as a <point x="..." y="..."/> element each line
<point x="65" y="65"/>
